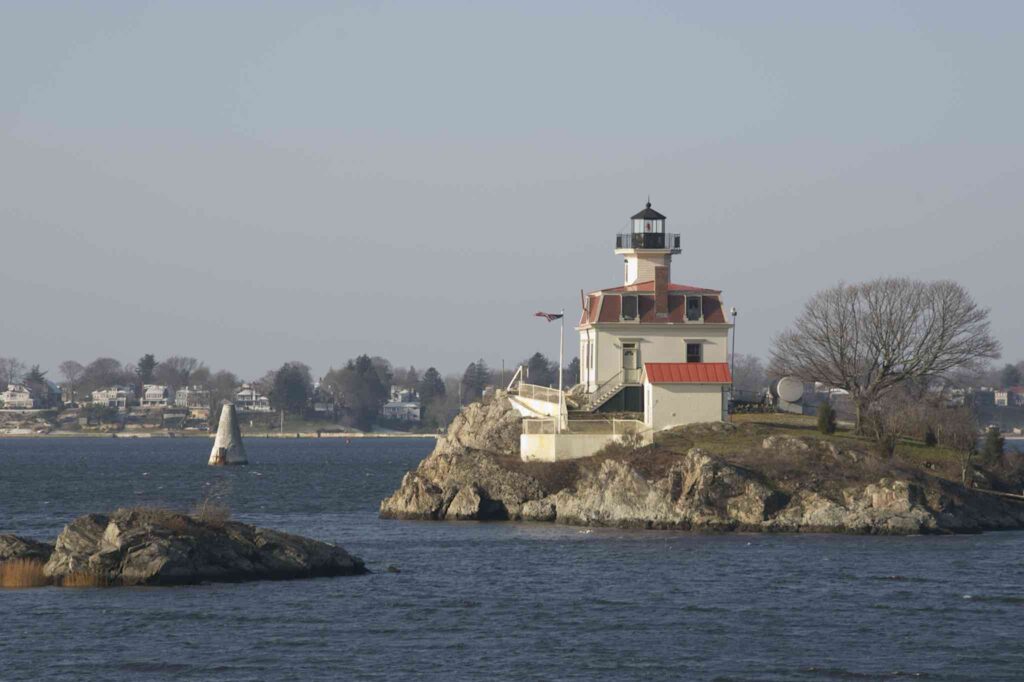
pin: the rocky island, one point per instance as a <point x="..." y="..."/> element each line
<point x="146" y="546"/>
<point x="755" y="476"/>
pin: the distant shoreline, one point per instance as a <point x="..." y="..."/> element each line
<point x="171" y="436"/>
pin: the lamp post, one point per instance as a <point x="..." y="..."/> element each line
<point x="732" y="363"/>
<point x="561" y="354"/>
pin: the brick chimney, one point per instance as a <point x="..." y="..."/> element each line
<point x="661" y="291"/>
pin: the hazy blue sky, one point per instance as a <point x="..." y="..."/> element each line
<point x="251" y="183"/>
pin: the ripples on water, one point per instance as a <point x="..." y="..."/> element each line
<point x="490" y="600"/>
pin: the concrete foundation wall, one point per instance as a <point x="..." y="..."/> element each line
<point x="563" y="446"/>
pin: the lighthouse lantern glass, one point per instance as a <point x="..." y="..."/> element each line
<point x="649" y="226"/>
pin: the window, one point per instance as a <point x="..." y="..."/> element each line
<point x="694" y="352"/>
<point x="693" y="308"/>
<point x="629" y="307"/>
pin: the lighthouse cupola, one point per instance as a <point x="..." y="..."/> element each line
<point x="648" y="221"/>
<point x="646" y="246"/>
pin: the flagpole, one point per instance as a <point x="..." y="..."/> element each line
<point x="561" y="364"/>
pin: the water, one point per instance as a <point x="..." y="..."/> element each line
<point x="490" y="600"/>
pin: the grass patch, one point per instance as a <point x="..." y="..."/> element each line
<point x="85" y="579"/>
<point x="20" y="573"/>
<point x="157" y="516"/>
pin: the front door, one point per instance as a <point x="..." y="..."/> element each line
<point x="630" y="363"/>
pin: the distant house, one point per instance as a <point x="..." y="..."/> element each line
<point x="248" y="399"/>
<point x="403" y="395"/>
<point x="155" y="395"/>
<point x="115" y="396"/>
<point x="1010" y="397"/>
<point x="323" y="399"/>
<point x="192" y="397"/>
<point x="403" y="406"/>
<point x="405" y="412"/>
<point x="17" y="397"/>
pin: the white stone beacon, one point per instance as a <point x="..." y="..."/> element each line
<point x="227" y="446"/>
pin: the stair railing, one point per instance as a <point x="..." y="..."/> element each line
<point x="518" y="376"/>
<point x="614" y="380"/>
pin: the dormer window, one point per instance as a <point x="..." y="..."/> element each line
<point x="629" y="308"/>
<point x="694" y="309"/>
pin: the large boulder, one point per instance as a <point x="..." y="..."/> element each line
<point x="14" y="547"/>
<point x="470" y="474"/>
<point x="158" y="547"/>
<point x="492" y="426"/>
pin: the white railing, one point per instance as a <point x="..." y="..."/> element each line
<point x="533" y="392"/>
<point x="518" y="376"/>
<point x="607" y="427"/>
<point x="539" y="427"/>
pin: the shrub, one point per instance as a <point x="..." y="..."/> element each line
<point x="994" y="442"/>
<point x="22" y="573"/>
<point x="930" y="439"/>
<point x="826" y="418"/>
<point x="212" y="513"/>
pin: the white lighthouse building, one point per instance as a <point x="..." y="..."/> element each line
<point x="650" y="350"/>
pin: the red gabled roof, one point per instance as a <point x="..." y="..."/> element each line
<point x="649" y="286"/>
<point x="688" y="372"/>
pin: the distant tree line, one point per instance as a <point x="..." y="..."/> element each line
<point x="351" y="394"/>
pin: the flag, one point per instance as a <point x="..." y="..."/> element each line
<point x="550" y="317"/>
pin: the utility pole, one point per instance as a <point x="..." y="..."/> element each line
<point x="561" y="364"/>
<point x="732" y="363"/>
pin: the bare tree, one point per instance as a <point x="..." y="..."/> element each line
<point x="222" y="386"/>
<point x="71" y="371"/>
<point x="958" y="431"/>
<point x="176" y="371"/>
<point x="869" y="338"/>
<point x="11" y="370"/>
<point x="886" y="420"/>
<point x="749" y="373"/>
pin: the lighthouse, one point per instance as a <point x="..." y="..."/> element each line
<point x="653" y="355"/>
<point x="653" y="346"/>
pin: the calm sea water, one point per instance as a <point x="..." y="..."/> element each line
<point x="490" y="600"/>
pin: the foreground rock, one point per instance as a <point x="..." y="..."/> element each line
<point x="157" y="547"/>
<point x="14" y="547"/>
<point x="475" y="473"/>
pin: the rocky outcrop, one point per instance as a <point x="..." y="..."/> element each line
<point x="14" y="547"/>
<point x="474" y="473"/>
<point x="470" y="474"/>
<point x="157" y="547"/>
<point x="699" y="492"/>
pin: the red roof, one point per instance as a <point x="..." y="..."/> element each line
<point x="688" y="372"/>
<point x="608" y="308"/>
<point x="649" y="286"/>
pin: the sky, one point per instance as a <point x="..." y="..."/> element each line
<point x="251" y="183"/>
